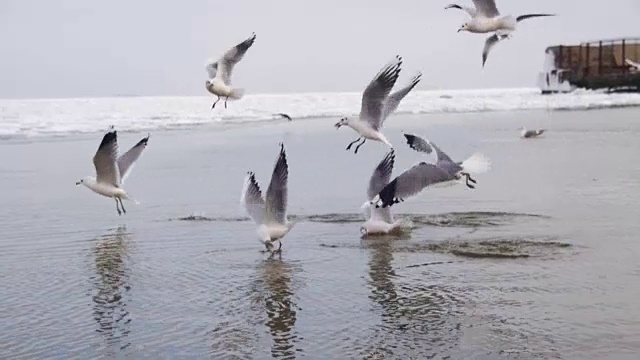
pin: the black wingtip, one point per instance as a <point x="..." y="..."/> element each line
<point x="410" y="139"/>
<point x="283" y="154"/>
<point x="144" y="141"/>
<point x="111" y="136"/>
<point x="387" y="194"/>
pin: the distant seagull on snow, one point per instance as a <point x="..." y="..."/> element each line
<point x="111" y="170"/>
<point x="379" y="220"/>
<point x="220" y="71"/>
<point x="526" y="134"/>
<point x="270" y="213"/>
<point x="486" y="18"/>
<point x="476" y="164"/>
<point x="377" y="104"/>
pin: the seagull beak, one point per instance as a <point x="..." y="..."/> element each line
<point x="459" y="30"/>
<point x="77" y="182"/>
<point x="337" y="125"/>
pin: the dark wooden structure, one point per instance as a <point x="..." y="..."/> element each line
<point x="600" y="64"/>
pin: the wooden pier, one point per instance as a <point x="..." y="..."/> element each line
<point x="612" y="64"/>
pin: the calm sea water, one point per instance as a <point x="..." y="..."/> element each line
<point x="540" y="261"/>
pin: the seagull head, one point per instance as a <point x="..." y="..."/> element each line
<point x="464" y="27"/>
<point x="85" y="181"/>
<point x="342" y="122"/>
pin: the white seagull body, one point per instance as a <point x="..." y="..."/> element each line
<point x="379" y="220"/>
<point x="269" y="213"/>
<point x="111" y="170"/>
<point x="219" y="82"/>
<point x="486" y="18"/>
<point x="526" y="134"/>
<point x="378" y="104"/>
<point x="475" y="164"/>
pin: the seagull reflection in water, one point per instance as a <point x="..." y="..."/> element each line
<point x="111" y="288"/>
<point x="274" y="289"/>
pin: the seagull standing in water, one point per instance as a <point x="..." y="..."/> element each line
<point x="269" y="213"/>
<point x="377" y="104"/>
<point x="379" y="220"/>
<point x="486" y="18"/>
<point x="476" y="164"/>
<point x="526" y="134"/>
<point x="111" y="170"/>
<point x="220" y="71"/>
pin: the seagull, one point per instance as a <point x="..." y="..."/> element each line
<point x="111" y="170"/>
<point x="411" y="182"/>
<point x="476" y="164"/>
<point x="632" y="64"/>
<point x="220" y="71"/>
<point x="526" y="134"/>
<point x="269" y="213"/>
<point x="283" y="115"/>
<point x="486" y="18"/>
<point x="379" y="221"/>
<point x="377" y="104"/>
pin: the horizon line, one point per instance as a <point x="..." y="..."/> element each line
<point x="83" y="97"/>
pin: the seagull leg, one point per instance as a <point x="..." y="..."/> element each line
<point x="467" y="179"/>
<point x="268" y="247"/>
<point x="215" y="102"/>
<point x="358" y="147"/>
<point x="225" y="102"/>
<point x="353" y="142"/>
<point x="118" y="207"/>
<point x="122" y="206"/>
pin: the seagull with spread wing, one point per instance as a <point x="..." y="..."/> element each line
<point x="220" y="71"/>
<point x="410" y="183"/>
<point x="270" y="212"/>
<point x="475" y="164"/>
<point x="486" y="18"/>
<point x="379" y="220"/>
<point x="378" y="104"/>
<point x="111" y="170"/>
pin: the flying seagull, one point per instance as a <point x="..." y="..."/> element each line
<point x="411" y="182"/>
<point x="111" y="170"/>
<point x="486" y="18"/>
<point x="379" y="220"/>
<point x="220" y="71"/>
<point x="475" y="164"/>
<point x="269" y="213"/>
<point x="526" y="134"/>
<point x="378" y="104"/>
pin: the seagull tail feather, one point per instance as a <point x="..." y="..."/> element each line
<point x="236" y="94"/>
<point x="477" y="164"/>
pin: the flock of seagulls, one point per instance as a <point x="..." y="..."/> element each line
<point x="269" y="211"/>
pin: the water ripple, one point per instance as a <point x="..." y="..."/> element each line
<point x="452" y="219"/>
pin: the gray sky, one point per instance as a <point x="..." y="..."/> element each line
<point x="71" y="48"/>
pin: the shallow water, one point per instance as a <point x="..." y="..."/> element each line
<point x="539" y="261"/>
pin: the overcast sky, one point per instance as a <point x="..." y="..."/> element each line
<point x="73" y="48"/>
